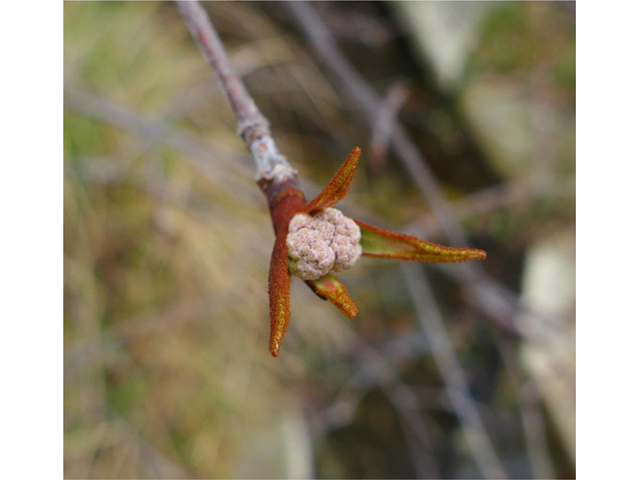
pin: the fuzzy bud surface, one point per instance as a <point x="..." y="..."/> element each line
<point x="320" y="243"/>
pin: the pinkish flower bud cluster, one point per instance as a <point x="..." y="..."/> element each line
<point x="320" y="243"/>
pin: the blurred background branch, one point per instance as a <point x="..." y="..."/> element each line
<point x="436" y="334"/>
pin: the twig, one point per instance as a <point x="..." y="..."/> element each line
<point x="532" y="418"/>
<point x="432" y="324"/>
<point x="200" y="156"/>
<point x="376" y="369"/>
<point x="251" y="122"/>
<point x="535" y="430"/>
<point x="381" y="130"/>
<point x="275" y="174"/>
<point x="504" y="195"/>
<point x="405" y="402"/>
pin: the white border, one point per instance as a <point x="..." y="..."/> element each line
<point x="31" y="199"/>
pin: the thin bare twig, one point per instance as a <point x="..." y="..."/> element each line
<point x="202" y="157"/>
<point x="275" y="173"/>
<point x="432" y="324"/>
<point x="376" y="369"/>
<point x="500" y="196"/>
<point x="533" y="422"/>
<point x="251" y="122"/>
<point x="381" y="130"/>
<point x="405" y="402"/>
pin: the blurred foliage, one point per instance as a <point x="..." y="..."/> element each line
<point x="167" y="367"/>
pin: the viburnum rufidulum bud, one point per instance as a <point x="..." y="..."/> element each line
<point x="322" y="242"/>
<point x="313" y="240"/>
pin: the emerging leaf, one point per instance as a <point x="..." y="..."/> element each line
<point x="380" y="243"/>
<point x="279" y="287"/>
<point x="330" y="288"/>
<point x="338" y="187"/>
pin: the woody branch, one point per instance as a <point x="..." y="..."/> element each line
<point x="274" y="173"/>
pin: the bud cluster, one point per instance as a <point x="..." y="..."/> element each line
<point x="320" y="243"/>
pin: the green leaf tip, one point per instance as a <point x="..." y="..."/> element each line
<point x="379" y="243"/>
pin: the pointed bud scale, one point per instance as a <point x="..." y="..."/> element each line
<point x="286" y="204"/>
<point x="330" y="288"/>
<point x="338" y="187"/>
<point x="379" y="243"/>
<point x="279" y="288"/>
